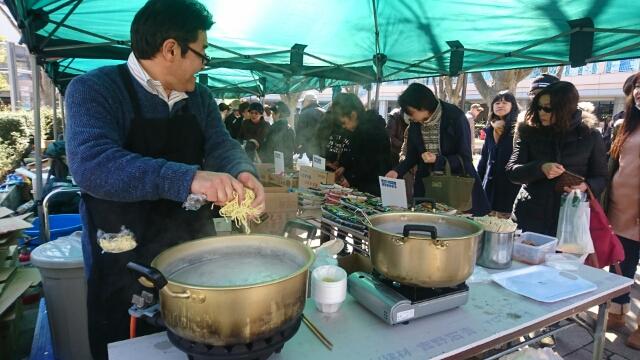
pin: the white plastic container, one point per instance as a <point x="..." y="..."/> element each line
<point x="328" y="287"/>
<point x="534" y="254"/>
<point x="65" y="290"/>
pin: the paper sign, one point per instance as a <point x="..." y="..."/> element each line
<point x="393" y="192"/>
<point x="319" y="162"/>
<point x="278" y="159"/>
<point x="312" y="178"/>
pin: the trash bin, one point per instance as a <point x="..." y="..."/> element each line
<point x="65" y="290"/>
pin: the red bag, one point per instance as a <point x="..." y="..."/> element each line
<point x="608" y="249"/>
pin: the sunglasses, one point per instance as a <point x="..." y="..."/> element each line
<point x="205" y="59"/>
<point x="546" y="109"/>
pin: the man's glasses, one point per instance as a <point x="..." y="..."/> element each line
<point x="546" y="109"/>
<point x="205" y="59"/>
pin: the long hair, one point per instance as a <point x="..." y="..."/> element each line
<point x="630" y="122"/>
<point x="344" y="103"/>
<point x="512" y="116"/>
<point x="564" y="103"/>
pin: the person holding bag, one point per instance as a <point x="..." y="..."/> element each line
<point x="622" y="202"/>
<point x="438" y="134"/>
<point x="554" y="147"/>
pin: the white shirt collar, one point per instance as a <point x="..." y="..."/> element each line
<point x="151" y="85"/>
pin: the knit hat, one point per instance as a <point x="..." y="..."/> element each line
<point x="543" y="81"/>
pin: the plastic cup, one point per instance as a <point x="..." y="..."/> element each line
<point x="328" y="287"/>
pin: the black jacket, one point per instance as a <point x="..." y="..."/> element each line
<point x="280" y="137"/>
<point x="455" y="137"/>
<point x="580" y="150"/>
<point x="500" y="191"/>
<point x="251" y="131"/>
<point x="233" y="124"/>
<point x="369" y="157"/>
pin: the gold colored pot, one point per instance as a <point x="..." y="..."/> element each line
<point x="227" y="315"/>
<point x="422" y="249"/>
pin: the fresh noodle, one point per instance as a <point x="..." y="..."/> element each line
<point x="241" y="213"/>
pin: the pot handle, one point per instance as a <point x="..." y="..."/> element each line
<point x="422" y="228"/>
<point x="150" y="273"/>
<point x="302" y="225"/>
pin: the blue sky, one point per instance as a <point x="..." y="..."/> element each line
<point x="7" y="29"/>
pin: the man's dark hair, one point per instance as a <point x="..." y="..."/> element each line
<point x="222" y="106"/>
<point x="244" y="106"/>
<point x="418" y="97"/>
<point x="159" y="20"/>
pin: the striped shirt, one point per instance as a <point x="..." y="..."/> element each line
<point x="151" y="85"/>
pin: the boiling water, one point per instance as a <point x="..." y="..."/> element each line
<point x="237" y="269"/>
<point x="444" y="231"/>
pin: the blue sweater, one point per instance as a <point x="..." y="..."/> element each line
<point x="98" y="119"/>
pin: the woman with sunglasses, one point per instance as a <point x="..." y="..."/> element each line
<point x="554" y="138"/>
<point x="496" y="152"/>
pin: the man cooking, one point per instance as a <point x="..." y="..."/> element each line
<point x="144" y="143"/>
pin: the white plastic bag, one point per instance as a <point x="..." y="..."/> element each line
<point x="573" y="224"/>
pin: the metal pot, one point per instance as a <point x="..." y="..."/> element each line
<point x="233" y="313"/>
<point x="445" y="257"/>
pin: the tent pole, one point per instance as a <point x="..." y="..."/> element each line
<point x="37" y="146"/>
<point x="463" y="98"/>
<point x="64" y="119"/>
<point x="54" y="108"/>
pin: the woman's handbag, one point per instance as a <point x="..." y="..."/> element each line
<point x="449" y="189"/>
<point x="608" y="249"/>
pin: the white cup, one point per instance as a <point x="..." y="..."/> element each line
<point x="328" y="287"/>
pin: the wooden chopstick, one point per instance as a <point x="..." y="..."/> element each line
<point x="317" y="332"/>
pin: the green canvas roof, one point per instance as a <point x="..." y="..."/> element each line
<point x="310" y="40"/>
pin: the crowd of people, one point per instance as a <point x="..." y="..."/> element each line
<point x="526" y="154"/>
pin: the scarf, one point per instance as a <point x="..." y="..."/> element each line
<point x="430" y="130"/>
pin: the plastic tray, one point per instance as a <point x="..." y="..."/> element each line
<point x="543" y="283"/>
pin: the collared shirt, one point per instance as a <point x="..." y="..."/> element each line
<point x="151" y="85"/>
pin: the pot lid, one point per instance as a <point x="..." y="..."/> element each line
<point x="423" y="225"/>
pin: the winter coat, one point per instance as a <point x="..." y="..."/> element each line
<point x="395" y="128"/>
<point x="454" y="142"/>
<point x="580" y="150"/>
<point x="369" y="157"/>
<point x="280" y="137"/>
<point x="233" y="124"/>
<point x="500" y="191"/>
<point x="251" y="131"/>
<point x="309" y="121"/>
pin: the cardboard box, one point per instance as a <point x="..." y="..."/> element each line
<point x="264" y="171"/>
<point x="280" y="207"/>
<point x="284" y="180"/>
<point x="311" y="177"/>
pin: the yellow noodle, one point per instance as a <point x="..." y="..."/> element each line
<point x="241" y="213"/>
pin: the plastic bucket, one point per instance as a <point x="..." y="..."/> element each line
<point x="59" y="225"/>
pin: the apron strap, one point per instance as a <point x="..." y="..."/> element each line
<point x="125" y="76"/>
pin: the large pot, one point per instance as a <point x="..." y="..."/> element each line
<point x="422" y="249"/>
<point x="208" y="297"/>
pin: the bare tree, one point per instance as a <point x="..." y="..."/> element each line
<point x="449" y="88"/>
<point x="502" y="80"/>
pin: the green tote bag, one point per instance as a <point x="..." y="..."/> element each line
<point x="449" y="189"/>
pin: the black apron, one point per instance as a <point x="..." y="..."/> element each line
<point x="157" y="224"/>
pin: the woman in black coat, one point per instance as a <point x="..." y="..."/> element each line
<point x="369" y="156"/>
<point x="448" y="137"/>
<point x="496" y="152"/>
<point x="553" y="138"/>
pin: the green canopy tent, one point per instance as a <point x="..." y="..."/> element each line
<point x="361" y="41"/>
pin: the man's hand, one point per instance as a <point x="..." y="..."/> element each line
<point x="217" y="187"/>
<point x="250" y="182"/>
<point x="552" y="170"/>
<point x="392" y="174"/>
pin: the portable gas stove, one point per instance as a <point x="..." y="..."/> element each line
<point x="396" y="303"/>
<point x="145" y="308"/>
